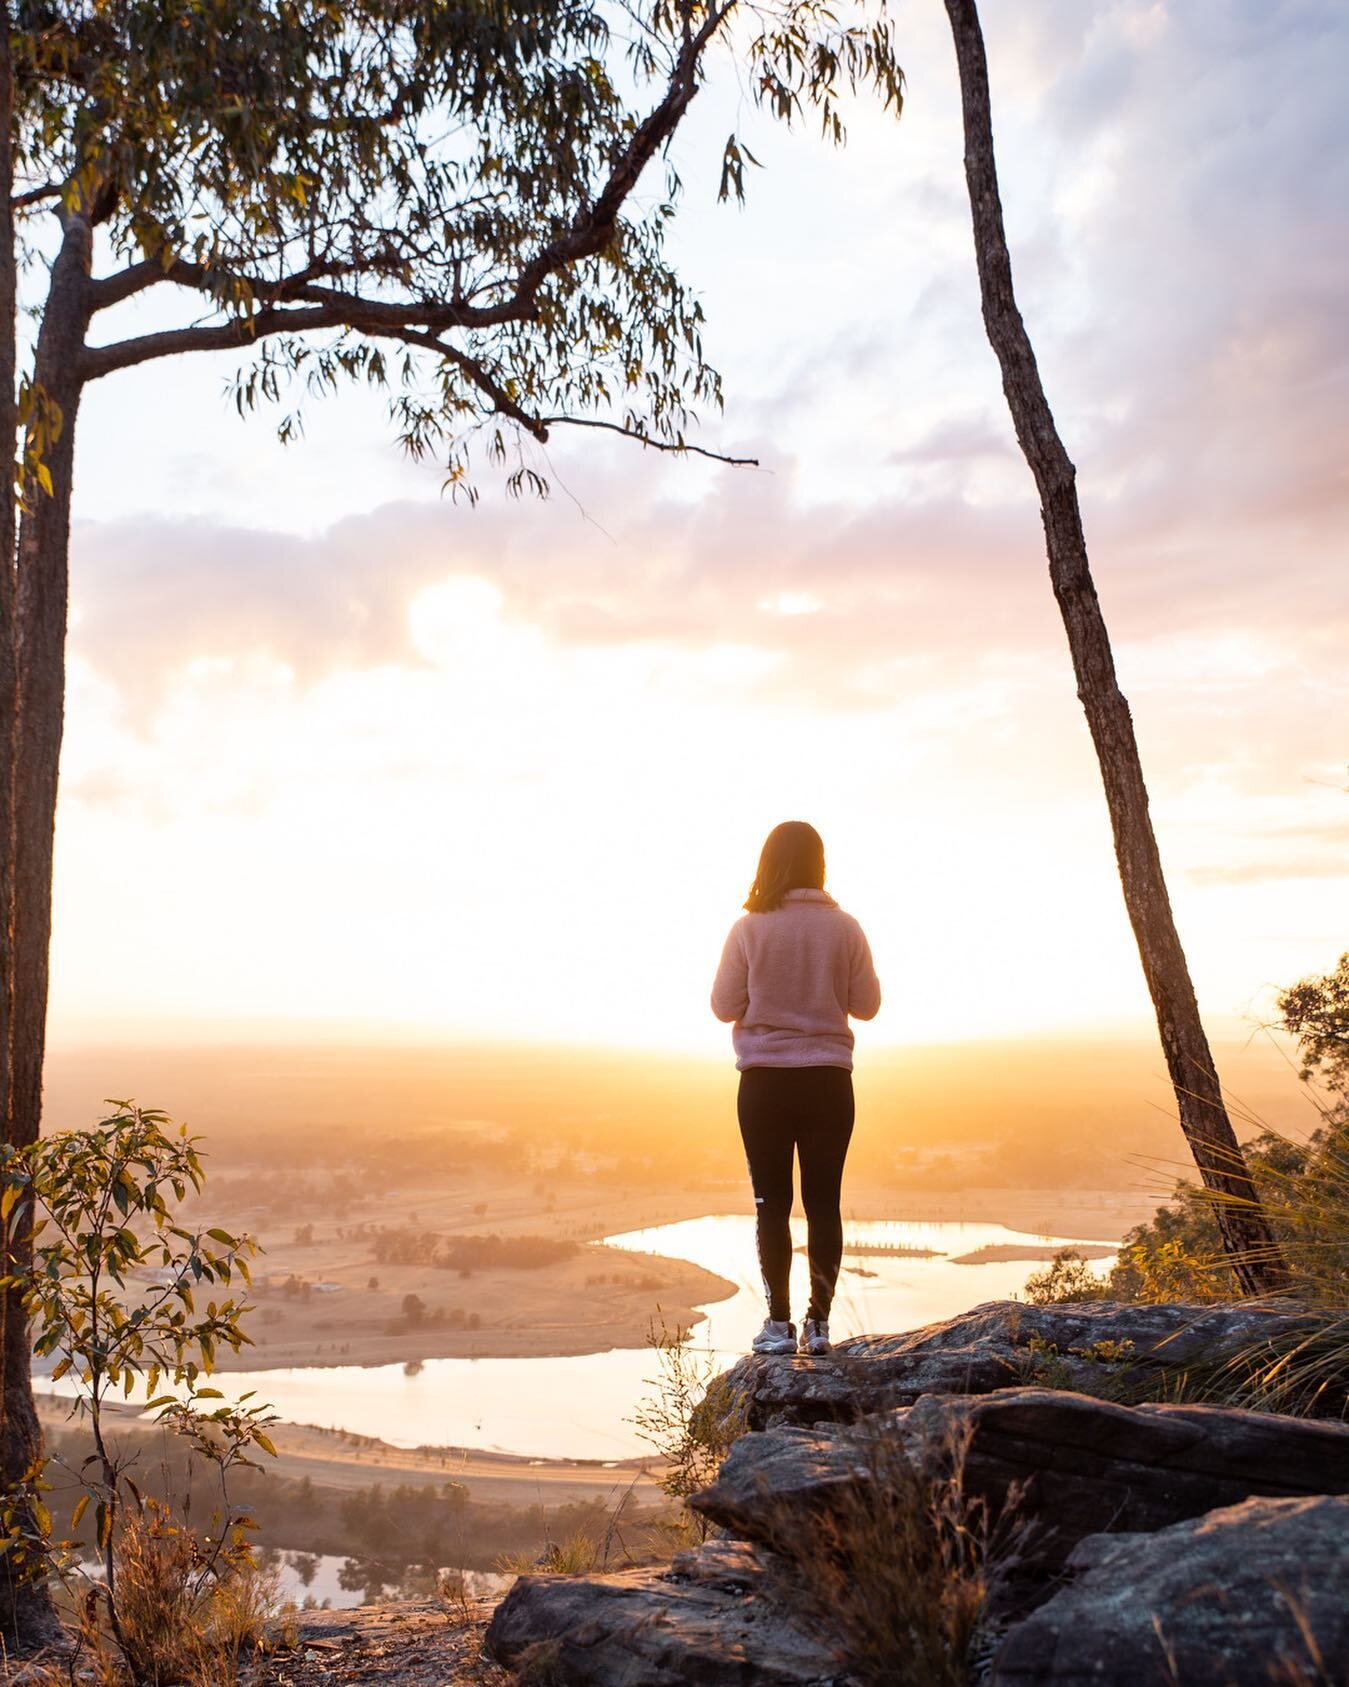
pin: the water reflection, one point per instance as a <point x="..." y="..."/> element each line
<point x="310" y="1579"/>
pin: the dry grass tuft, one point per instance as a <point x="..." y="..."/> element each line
<point x="902" y="1566"/>
<point x="184" y="1612"/>
<point x="540" y="1665"/>
<point x="158" y="1567"/>
<point x="458" y="1604"/>
<point x="579" y="1555"/>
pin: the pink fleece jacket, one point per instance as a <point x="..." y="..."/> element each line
<point x="789" y="979"/>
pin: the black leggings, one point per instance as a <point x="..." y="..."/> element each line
<point x="809" y="1110"/>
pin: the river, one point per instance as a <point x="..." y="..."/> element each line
<point x="582" y="1406"/>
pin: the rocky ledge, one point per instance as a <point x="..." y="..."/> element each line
<point x="1093" y="1347"/>
<point x="1156" y="1542"/>
<point x="1086" y="1466"/>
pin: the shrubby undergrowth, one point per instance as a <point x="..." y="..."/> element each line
<point x="1177" y="1255"/>
<point x="122" y="1296"/>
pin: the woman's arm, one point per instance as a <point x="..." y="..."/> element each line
<point x="864" y="988"/>
<point x="730" y="988"/>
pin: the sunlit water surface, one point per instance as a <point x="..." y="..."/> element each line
<point x="582" y="1406"/>
<point x="313" y="1579"/>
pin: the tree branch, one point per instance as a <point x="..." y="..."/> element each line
<point x="223" y="336"/>
<point x="135" y="278"/>
<point x="678" y="448"/>
<point x="501" y="400"/>
<point x="590" y="232"/>
<point x="35" y="195"/>
<point x="300" y="288"/>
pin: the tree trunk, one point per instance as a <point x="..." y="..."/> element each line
<point x="1253" y="1253"/>
<point x="26" y="1616"/>
<point x="44" y="541"/>
<point x="9" y="630"/>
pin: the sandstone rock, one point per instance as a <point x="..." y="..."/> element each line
<point x="1085" y="1465"/>
<point x="707" y="1621"/>
<point x="773" y="1483"/>
<point x="1249" y="1594"/>
<point x="1001" y="1344"/>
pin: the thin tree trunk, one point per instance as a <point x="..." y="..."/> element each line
<point x="9" y="631"/>
<point x="27" y="1620"/>
<point x="1253" y="1253"/>
<point x="44" y="539"/>
<point x="25" y="1608"/>
<point x="26" y="1617"/>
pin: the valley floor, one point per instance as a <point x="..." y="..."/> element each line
<point x="323" y="1298"/>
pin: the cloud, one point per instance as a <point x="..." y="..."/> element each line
<point x="1329" y="867"/>
<point x="1173" y="201"/>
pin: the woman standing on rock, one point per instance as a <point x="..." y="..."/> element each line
<point x="793" y="969"/>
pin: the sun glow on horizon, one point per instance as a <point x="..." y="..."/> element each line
<point x="516" y="836"/>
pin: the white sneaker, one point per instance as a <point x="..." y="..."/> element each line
<point x="777" y="1336"/>
<point x="815" y="1337"/>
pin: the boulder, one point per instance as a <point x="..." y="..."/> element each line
<point x="709" y="1620"/>
<point x="1082" y="1465"/>
<point x="1094" y="1347"/>
<point x="1244" y="1596"/>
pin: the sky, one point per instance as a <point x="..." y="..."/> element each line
<point x="345" y="759"/>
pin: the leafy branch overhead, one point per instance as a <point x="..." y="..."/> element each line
<point x="441" y="201"/>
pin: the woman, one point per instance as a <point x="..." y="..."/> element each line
<point x="793" y="969"/>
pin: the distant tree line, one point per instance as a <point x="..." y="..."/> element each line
<point x="386" y="1532"/>
<point x="397" y="1244"/>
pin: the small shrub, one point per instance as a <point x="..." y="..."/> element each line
<point x="1114" y="1374"/>
<point x="1067" y="1278"/>
<point x="455" y="1599"/>
<point x="691" y="1418"/>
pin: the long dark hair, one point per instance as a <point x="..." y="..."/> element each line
<point x="792" y="858"/>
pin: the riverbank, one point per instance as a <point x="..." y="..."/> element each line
<point x="337" y="1459"/>
<point x="344" y="1311"/>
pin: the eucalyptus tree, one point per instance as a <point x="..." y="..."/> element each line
<point x="1247" y="1237"/>
<point x="437" y="198"/>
